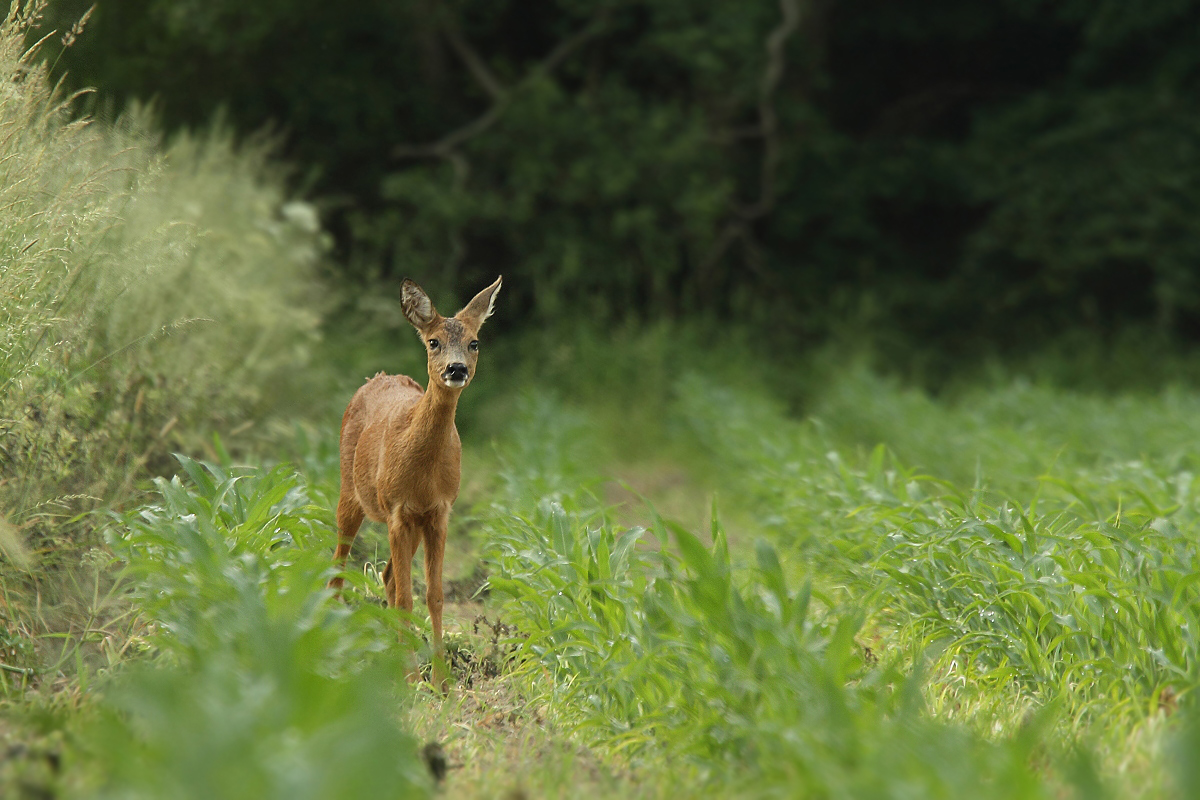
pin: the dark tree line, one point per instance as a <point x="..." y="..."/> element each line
<point x="949" y="170"/>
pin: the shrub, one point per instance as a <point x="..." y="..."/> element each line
<point x="150" y="292"/>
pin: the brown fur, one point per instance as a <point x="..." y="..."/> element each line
<point x="401" y="456"/>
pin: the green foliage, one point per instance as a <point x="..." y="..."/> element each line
<point x="1099" y="194"/>
<point x="1010" y="430"/>
<point x="573" y="183"/>
<point x="680" y="653"/>
<point x="860" y="629"/>
<point x="1059" y="572"/>
<point x="151" y="293"/>
<point x="1051" y="613"/>
<point x="262" y="687"/>
<point x="1184" y="751"/>
<point x="1004" y="171"/>
<point x="277" y="728"/>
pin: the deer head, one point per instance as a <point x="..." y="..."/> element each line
<point x="451" y="343"/>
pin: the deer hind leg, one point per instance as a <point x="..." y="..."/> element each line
<point x="349" y="520"/>
<point x="434" y="535"/>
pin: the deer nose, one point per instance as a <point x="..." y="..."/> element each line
<point x="456" y="372"/>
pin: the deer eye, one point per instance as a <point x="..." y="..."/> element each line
<point x="434" y="344"/>
<point x="474" y="345"/>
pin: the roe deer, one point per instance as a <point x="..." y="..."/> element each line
<point x="401" y="455"/>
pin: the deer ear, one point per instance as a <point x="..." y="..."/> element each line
<point x="416" y="305"/>
<point x="482" y="305"/>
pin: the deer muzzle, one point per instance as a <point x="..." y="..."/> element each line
<point x="455" y="375"/>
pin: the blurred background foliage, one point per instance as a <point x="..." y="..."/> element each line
<point x="980" y="177"/>
<point x="151" y="292"/>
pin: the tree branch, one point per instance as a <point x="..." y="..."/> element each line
<point x="501" y="96"/>
<point x="738" y="227"/>
<point x="768" y="120"/>
<point x="479" y="70"/>
<point x="567" y="46"/>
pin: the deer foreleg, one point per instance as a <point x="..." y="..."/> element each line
<point x="402" y="541"/>
<point x="435" y="551"/>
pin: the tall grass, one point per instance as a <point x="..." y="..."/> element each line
<point x="150" y="292"/>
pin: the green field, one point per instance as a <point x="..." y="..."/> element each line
<point x="670" y="573"/>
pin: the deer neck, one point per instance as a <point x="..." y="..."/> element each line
<point x="433" y="419"/>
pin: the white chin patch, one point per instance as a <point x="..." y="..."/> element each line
<point x="453" y="384"/>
